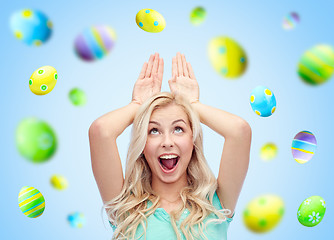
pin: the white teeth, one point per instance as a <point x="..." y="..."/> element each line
<point x="169" y="156"/>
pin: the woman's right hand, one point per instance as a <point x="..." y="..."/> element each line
<point x="150" y="79"/>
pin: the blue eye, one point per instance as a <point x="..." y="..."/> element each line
<point x="179" y="129"/>
<point x="153" y="130"/>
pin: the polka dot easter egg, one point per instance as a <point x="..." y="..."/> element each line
<point x="150" y="20"/>
<point x="290" y="21"/>
<point x="263" y="101"/>
<point x="316" y="66"/>
<point x="43" y="80"/>
<point x="197" y="16"/>
<point x="31" y="202"/>
<point x="76" y="220"/>
<point x="35" y="140"/>
<point x="303" y="146"/>
<point x="311" y="211"/>
<point x="227" y="57"/>
<point x="59" y="182"/>
<point x="263" y="213"/>
<point x="95" y="42"/>
<point x="32" y="27"/>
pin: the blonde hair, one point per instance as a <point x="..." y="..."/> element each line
<point x="129" y="208"/>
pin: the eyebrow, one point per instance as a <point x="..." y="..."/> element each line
<point x="179" y="120"/>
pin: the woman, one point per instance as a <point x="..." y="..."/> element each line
<point x="169" y="191"/>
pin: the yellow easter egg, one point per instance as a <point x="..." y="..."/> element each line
<point x="227" y="57"/>
<point x="59" y="182"/>
<point x="150" y="20"/>
<point x="43" y="80"/>
<point x="263" y="213"/>
<point x="268" y="151"/>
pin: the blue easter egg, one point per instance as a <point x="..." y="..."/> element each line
<point x="263" y="101"/>
<point x="31" y="26"/>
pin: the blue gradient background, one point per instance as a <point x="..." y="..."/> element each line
<point x="273" y="54"/>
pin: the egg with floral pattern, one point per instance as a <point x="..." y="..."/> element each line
<point x="311" y="211"/>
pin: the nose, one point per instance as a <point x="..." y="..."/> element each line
<point x="167" y="141"/>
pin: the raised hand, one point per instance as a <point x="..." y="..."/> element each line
<point x="150" y="79"/>
<point x="183" y="80"/>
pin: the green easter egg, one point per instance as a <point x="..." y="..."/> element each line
<point x="311" y="211"/>
<point x="77" y="97"/>
<point x="35" y="140"/>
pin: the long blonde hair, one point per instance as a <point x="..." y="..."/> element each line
<point x="129" y="208"/>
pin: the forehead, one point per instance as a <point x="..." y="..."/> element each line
<point x="169" y="113"/>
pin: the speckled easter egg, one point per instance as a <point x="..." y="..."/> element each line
<point x="311" y="211"/>
<point x="316" y="66"/>
<point x="303" y="146"/>
<point x="150" y="20"/>
<point x="77" y="97"/>
<point x="31" y="202"/>
<point x="59" y="182"/>
<point x="95" y="42"/>
<point x="263" y="101"/>
<point x="43" y="80"/>
<point x="290" y="21"/>
<point x="197" y="16"/>
<point x="32" y="27"/>
<point x="268" y="151"/>
<point x="263" y="213"/>
<point x="76" y="219"/>
<point x="35" y="140"/>
<point x="227" y="57"/>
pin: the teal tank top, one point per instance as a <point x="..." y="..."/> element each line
<point x="160" y="227"/>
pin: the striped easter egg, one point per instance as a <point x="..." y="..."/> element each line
<point x="303" y="146"/>
<point x="317" y="65"/>
<point x="31" y="202"/>
<point x="95" y="42"/>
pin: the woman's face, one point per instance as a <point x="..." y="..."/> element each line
<point x="169" y="142"/>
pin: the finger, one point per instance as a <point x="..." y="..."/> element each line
<point x="161" y="69"/>
<point x="191" y="71"/>
<point x="149" y="67"/>
<point x="155" y="63"/>
<point x="171" y="85"/>
<point x="174" y="67"/>
<point x="184" y="66"/>
<point x="143" y="70"/>
<point x="179" y="64"/>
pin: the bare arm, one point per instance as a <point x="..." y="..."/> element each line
<point x="106" y="162"/>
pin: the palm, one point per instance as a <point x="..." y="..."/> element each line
<point x="149" y="81"/>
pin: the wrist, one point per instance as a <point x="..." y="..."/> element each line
<point x="135" y="102"/>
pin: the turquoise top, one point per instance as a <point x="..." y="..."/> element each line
<point x="160" y="227"/>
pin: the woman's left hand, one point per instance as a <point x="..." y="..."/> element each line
<point x="183" y="80"/>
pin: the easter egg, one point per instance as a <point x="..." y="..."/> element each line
<point x="77" y="97"/>
<point x="316" y="66"/>
<point x="35" y="140"/>
<point x="59" y="182"/>
<point x="43" y="80"/>
<point x="32" y="27"/>
<point x="31" y="202"/>
<point x="263" y="213"/>
<point x="290" y="21"/>
<point x="95" y="42"/>
<point x="227" y="57"/>
<point x="197" y="16"/>
<point x="76" y="220"/>
<point x="268" y="151"/>
<point x="150" y="20"/>
<point x="263" y="101"/>
<point x="311" y="211"/>
<point x="303" y="146"/>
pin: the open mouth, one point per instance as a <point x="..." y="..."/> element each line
<point x="169" y="164"/>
